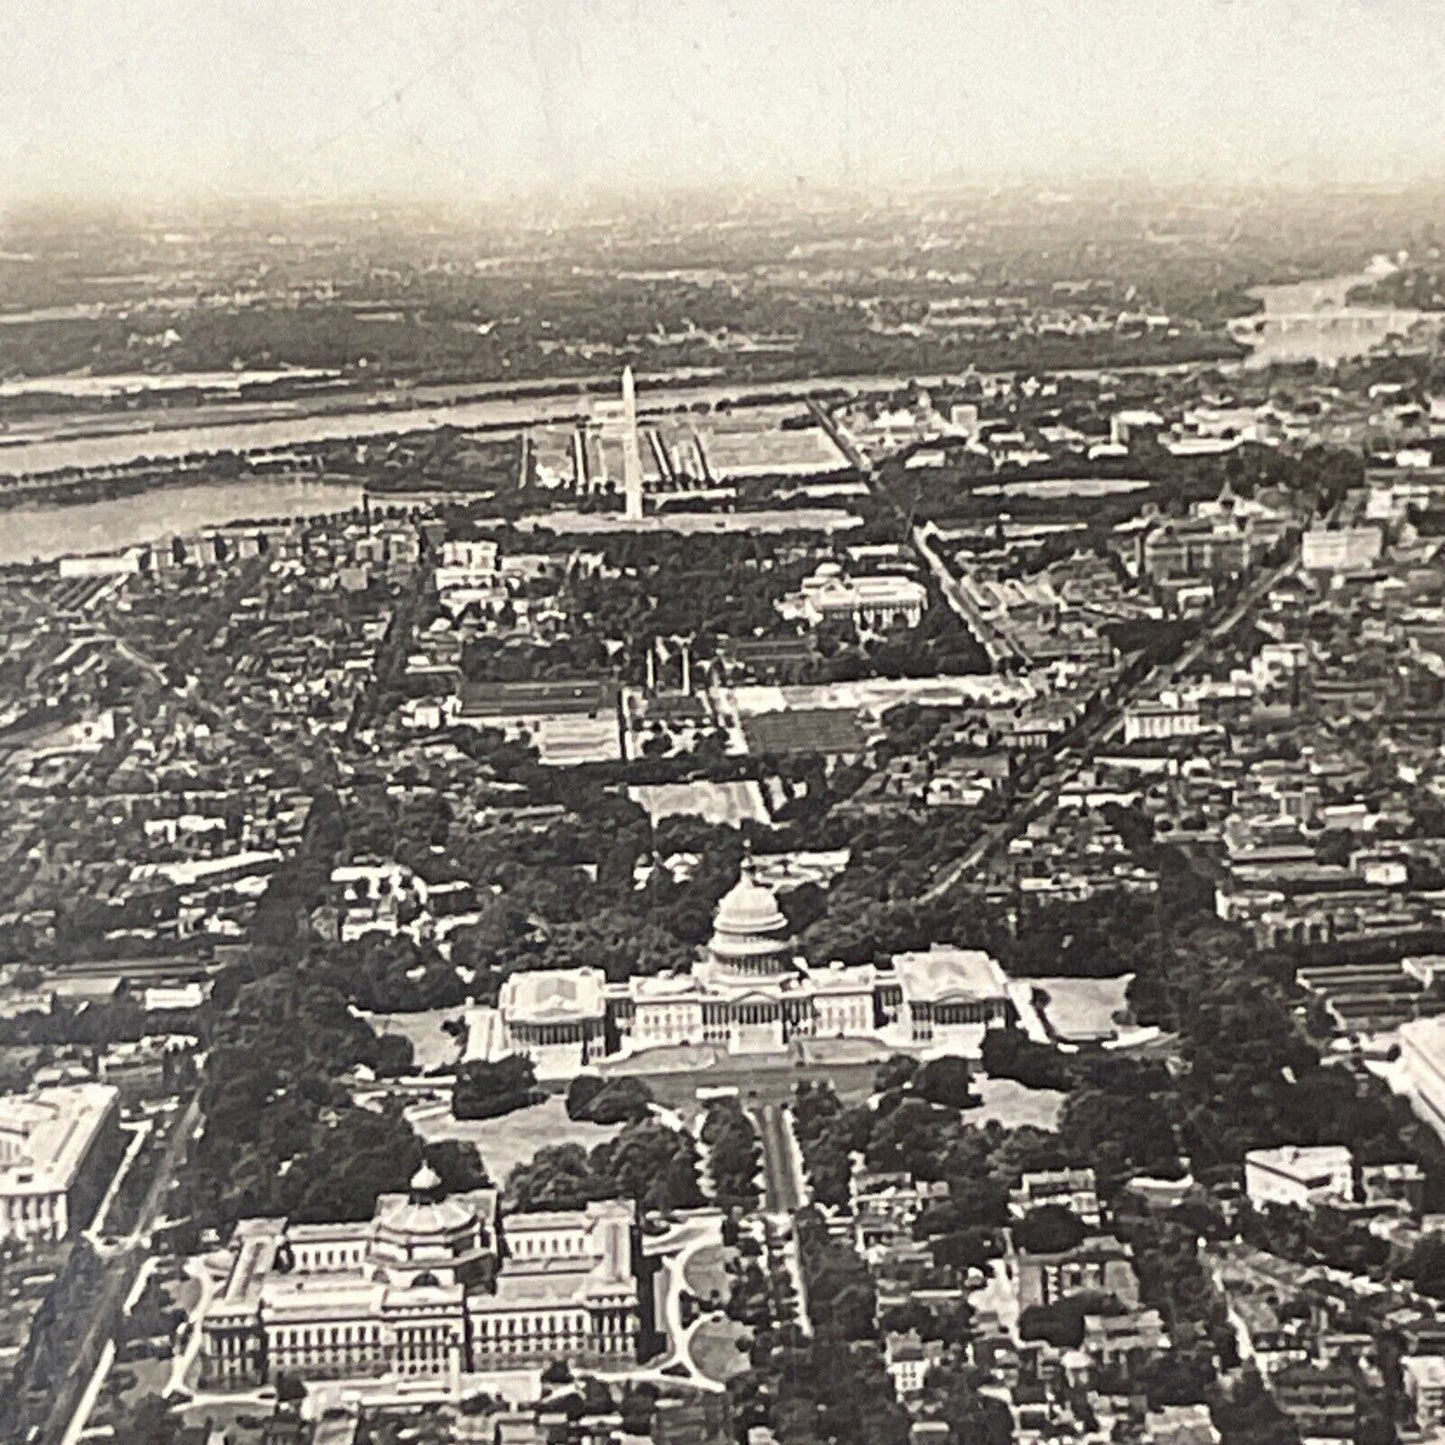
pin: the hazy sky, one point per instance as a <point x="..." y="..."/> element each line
<point x="472" y="99"/>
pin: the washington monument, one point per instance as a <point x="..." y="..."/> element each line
<point x="631" y="452"/>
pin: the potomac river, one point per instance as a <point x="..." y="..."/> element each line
<point x="43" y="532"/>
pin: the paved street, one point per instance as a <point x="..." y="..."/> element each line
<point x="783" y="1184"/>
<point x="1105" y="727"/>
<point x="120" y="1272"/>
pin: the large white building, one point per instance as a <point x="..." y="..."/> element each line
<point x="871" y="604"/>
<point x="1171" y="716"/>
<point x="557" y="1017"/>
<point x="749" y="992"/>
<point x="468" y="564"/>
<point x="431" y="1285"/>
<point x="1422" y="1064"/>
<point x="1297" y="1176"/>
<point x="57" y="1148"/>
<point x="1340" y="549"/>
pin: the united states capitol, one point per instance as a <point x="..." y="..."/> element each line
<point x="749" y="993"/>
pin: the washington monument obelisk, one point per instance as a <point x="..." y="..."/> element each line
<point x="631" y="451"/>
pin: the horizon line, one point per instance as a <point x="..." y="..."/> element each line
<point x="859" y="190"/>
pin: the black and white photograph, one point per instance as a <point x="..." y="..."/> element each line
<point x="722" y="722"/>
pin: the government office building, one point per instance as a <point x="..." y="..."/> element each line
<point x="432" y="1285"/>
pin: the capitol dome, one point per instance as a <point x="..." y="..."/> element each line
<point x="750" y="931"/>
<point x="424" y="1225"/>
<point x="749" y="909"/>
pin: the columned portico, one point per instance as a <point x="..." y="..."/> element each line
<point x="757" y="1026"/>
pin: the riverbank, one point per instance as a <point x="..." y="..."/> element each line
<point x="37" y="533"/>
<point x="40" y="452"/>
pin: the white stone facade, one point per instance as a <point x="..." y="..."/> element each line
<point x="748" y="993"/>
<point x="430" y="1286"/>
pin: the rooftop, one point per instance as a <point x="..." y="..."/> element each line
<point x="1311" y="1165"/>
<point x="577" y="696"/>
<point x="943" y="974"/>
<point x="1427" y="1371"/>
<point x="546" y="996"/>
<point x="807" y="730"/>
<point x="46" y="1134"/>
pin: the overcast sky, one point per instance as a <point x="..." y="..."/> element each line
<point x="467" y="100"/>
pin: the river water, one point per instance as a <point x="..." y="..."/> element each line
<point x="29" y="454"/>
<point x="1303" y="319"/>
<point x="1313" y="321"/>
<point x="44" y="532"/>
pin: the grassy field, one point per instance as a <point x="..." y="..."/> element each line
<point x="423" y="1031"/>
<point x="149" y="1377"/>
<point x="714" y="1349"/>
<point x="1083" y="1005"/>
<point x="730" y="803"/>
<point x="706" y="1272"/>
<point x="1012" y="1104"/>
<point x="515" y="1138"/>
<point x="714" y="1343"/>
<point x="759" y="1080"/>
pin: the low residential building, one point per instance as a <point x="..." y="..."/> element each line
<point x="1075" y="1189"/>
<point x="1424" y="1377"/>
<point x="1099" y="1265"/>
<point x="466" y="563"/>
<point x="908" y="1360"/>
<point x="1123" y="1341"/>
<point x="1399" y="1182"/>
<point x="885" y="1206"/>
<point x="1321" y="1400"/>
<point x="1181" y="1425"/>
<point x="150" y="1067"/>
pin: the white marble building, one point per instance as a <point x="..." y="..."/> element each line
<point x="748" y="993"/>
<point x="431" y="1286"/>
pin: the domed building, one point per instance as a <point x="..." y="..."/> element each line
<point x="432" y="1285"/>
<point x="750" y="936"/>
<point x="748" y="993"/>
<point x="424" y="1239"/>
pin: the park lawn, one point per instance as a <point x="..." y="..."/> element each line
<point x="150" y="1377"/>
<point x="423" y="1030"/>
<point x="729" y="803"/>
<point x="514" y="1138"/>
<point x="229" y="1416"/>
<point x="1083" y="1005"/>
<point x="714" y="1349"/>
<point x="705" y="1273"/>
<point x="758" y="1080"/>
<point x="1014" y="1104"/>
